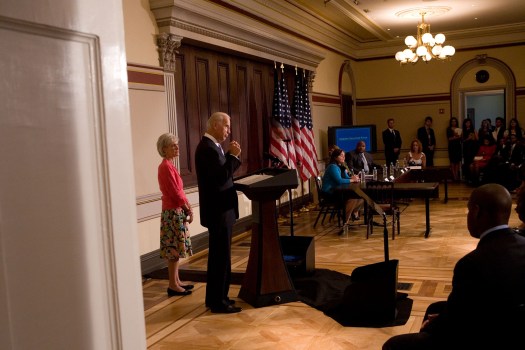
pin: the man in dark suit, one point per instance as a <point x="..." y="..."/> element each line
<point x="499" y="130"/>
<point x="512" y="157"/>
<point x="359" y="159"/>
<point x="392" y="142"/>
<point x="425" y="135"/>
<point x="218" y="207"/>
<point x="486" y="307"/>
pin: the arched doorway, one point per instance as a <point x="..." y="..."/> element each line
<point x="474" y="77"/>
<point x="347" y="93"/>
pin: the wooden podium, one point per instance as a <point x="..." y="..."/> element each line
<point x="266" y="281"/>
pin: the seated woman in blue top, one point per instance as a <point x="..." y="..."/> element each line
<point x="333" y="177"/>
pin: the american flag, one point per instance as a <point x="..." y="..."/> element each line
<point x="303" y="133"/>
<point x="281" y="135"/>
<point x="297" y="113"/>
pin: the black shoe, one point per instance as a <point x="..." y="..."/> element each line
<point x="230" y="309"/>
<point x="172" y="292"/>
<point x="188" y="286"/>
<point x="229" y="302"/>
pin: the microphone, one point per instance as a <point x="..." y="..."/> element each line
<point x="271" y="157"/>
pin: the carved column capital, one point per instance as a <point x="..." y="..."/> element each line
<point x="167" y="45"/>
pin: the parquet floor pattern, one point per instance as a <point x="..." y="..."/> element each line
<point x="425" y="267"/>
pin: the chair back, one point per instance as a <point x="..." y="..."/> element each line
<point x="318" y="183"/>
<point x="319" y="186"/>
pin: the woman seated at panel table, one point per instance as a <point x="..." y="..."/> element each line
<point x="416" y="157"/>
<point x="333" y="177"/>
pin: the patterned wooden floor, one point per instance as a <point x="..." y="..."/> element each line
<point x="425" y="266"/>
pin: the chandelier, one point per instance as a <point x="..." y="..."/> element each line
<point x="425" y="46"/>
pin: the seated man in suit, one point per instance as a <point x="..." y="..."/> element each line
<point x="486" y="306"/>
<point x="507" y="173"/>
<point x="359" y="159"/>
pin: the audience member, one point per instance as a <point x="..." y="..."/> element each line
<point x="485" y="308"/>
<point x="425" y="135"/>
<point x="176" y="214"/>
<point x="514" y="153"/>
<point x="415" y="157"/>
<point x="392" y="142"/>
<point x="514" y="129"/>
<point x="520" y="206"/>
<point x="484" y="130"/>
<point x="482" y="158"/>
<point x="512" y="160"/>
<point x="470" y="146"/>
<point x="454" y="133"/>
<point x="499" y="130"/>
<point x="501" y="147"/>
<point x="218" y="207"/>
<point x="491" y="127"/>
<point x="332" y="178"/>
<point x="359" y="159"/>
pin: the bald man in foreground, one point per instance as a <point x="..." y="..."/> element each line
<point x="485" y="309"/>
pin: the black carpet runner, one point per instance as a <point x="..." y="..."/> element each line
<point x="323" y="289"/>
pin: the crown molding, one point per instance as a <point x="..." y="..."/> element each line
<point x="281" y="31"/>
<point x="209" y="24"/>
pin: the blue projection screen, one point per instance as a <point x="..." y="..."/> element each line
<point x="346" y="137"/>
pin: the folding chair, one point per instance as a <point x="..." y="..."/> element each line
<point x="327" y="205"/>
<point x="382" y="193"/>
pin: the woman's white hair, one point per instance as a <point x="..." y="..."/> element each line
<point x="164" y="141"/>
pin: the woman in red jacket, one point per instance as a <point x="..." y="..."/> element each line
<point x="176" y="214"/>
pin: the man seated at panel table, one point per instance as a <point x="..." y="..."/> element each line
<point x="359" y="159"/>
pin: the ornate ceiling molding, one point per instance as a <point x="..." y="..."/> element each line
<point x="208" y="24"/>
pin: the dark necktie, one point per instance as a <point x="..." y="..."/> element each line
<point x="365" y="163"/>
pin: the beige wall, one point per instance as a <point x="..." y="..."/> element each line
<point x="327" y="74"/>
<point x="148" y="122"/>
<point x="386" y="78"/>
<point x="326" y="82"/>
<point x="140" y="30"/>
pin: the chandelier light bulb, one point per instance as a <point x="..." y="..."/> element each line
<point x="408" y="53"/>
<point x="421" y="51"/>
<point x="440" y="38"/>
<point x="400" y="56"/>
<point x="410" y="41"/>
<point x="426" y="38"/>
<point x="449" y="50"/>
<point x="436" y="50"/>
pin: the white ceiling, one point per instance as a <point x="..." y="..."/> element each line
<point x="456" y="16"/>
<point x="375" y="28"/>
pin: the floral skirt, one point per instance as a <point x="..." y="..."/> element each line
<point x="174" y="235"/>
